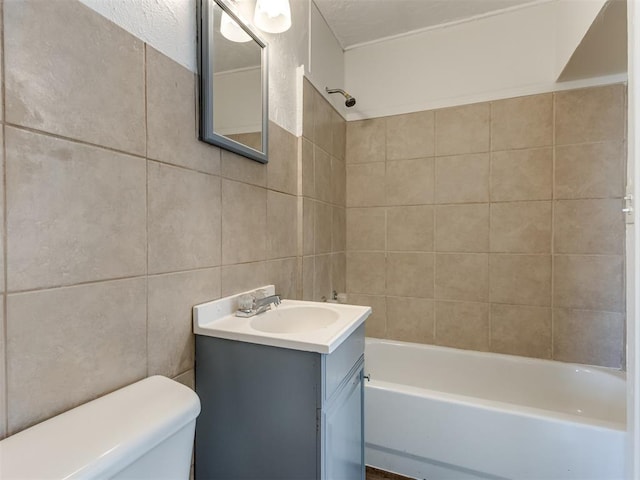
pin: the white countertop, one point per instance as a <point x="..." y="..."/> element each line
<point x="217" y="319"/>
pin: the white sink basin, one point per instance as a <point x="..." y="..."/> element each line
<point x="300" y="325"/>
<point x="294" y="319"/>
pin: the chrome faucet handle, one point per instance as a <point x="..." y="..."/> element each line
<point x="245" y="303"/>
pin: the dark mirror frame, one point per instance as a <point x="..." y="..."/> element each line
<point x="207" y="86"/>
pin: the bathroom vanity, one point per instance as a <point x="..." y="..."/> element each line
<point x="281" y="393"/>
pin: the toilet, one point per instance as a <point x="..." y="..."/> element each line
<point x="143" y="431"/>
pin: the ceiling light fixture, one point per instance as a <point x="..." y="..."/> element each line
<point x="272" y="16"/>
<point x="230" y="30"/>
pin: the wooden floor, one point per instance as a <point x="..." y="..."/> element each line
<point x="377" y="474"/>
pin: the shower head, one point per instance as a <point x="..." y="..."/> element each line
<point x="350" y="102"/>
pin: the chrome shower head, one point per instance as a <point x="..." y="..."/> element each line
<point x="350" y="101"/>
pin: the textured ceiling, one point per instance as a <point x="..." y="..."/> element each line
<point x="358" y="21"/>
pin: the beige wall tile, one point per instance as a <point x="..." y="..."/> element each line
<point x="282" y="169"/>
<point x="322" y="278"/>
<point x="520" y="279"/>
<point x="65" y="100"/>
<point x="282" y="228"/>
<point x="339" y="229"/>
<point x="308" y="169"/>
<point x="522" y="122"/>
<point x="462" y="228"/>
<point x="462" y="129"/>
<point x="308" y="274"/>
<point x="366" y="273"/>
<point x="183" y="219"/>
<point x="339" y="136"/>
<point x="521" y="227"/>
<point x="283" y="274"/>
<point x="324" y="224"/>
<point x="324" y="190"/>
<point x="522" y="175"/>
<point x="299" y="278"/>
<point x="1" y="99"/>
<point x="242" y="277"/>
<point x="91" y="340"/>
<point x="589" y="226"/>
<point x="590" y="114"/>
<point x="172" y="134"/>
<point x="365" y="185"/>
<point x="244" y="222"/>
<point x="366" y="141"/>
<point x="339" y="272"/>
<point x="520" y="330"/>
<point x="188" y="379"/>
<point x="410" y="319"/>
<point x="3" y="378"/>
<point x="409" y="182"/>
<point x="242" y="169"/>
<point x="593" y="170"/>
<point x="376" y="324"/>
<point x="589" y="282"/>
<point x="338" y="182"/>
<point x="462" y="325"/>
<point x="308" y="226"/>
<point x="75" y="213"/>
<point x="170" y="340"/>
<point x="462" y="276"/>
<point x="410" y="274"/>
<point x="2" y="231"/>
<point x="322" y="125"/>
<point x="410" y="136"/>
<point x="366" y="228"/>
<point x="308" y="92"/>
<point x="410" y="228"/>
<point x="462" y="179"/>
<point x="594" y="338"/>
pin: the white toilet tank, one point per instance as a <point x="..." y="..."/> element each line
<point x="143" y="431"/>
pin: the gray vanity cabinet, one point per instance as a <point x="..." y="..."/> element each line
<point x="278" y="413"/>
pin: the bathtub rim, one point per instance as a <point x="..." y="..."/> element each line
<point x="495" y="405"/>
<point x="618" y="373"/>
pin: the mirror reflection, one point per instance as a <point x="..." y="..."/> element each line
<point x="233" y="82"/>
<point x="237" y="61"/>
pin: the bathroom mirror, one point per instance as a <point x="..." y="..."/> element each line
<point x="233" y="82"/>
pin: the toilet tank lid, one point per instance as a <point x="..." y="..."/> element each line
<point x="102" y="436"/>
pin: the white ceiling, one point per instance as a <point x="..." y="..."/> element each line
<point x="358" y="21"/>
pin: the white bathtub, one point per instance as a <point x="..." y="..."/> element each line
<point x="442" y="413"/>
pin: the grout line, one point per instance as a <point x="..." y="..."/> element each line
<point x="434" y="224"/>
<point x="4" y="425"/>
<point x="146" y="166"/>
<point x="105" y="148"/>
<point x="74" y="285"/>
<point x="72" y="140"/>
<point x="489" y="196"/>
<point x="386" y="228"/>
<point x="553" y="218"/>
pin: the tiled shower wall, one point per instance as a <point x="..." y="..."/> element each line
<point x="323" y="190"/>
<point x="118" y="220"/>
<point x="494" y="226"/>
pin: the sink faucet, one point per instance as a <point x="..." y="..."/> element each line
<point x="258" y="306"/>
<point x="263" y="304"/>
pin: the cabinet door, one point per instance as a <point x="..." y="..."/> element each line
<point x="344" y="433"/>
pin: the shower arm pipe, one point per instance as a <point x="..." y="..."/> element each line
<point x="350" y="101"/>
<point x="336" y="90"/>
